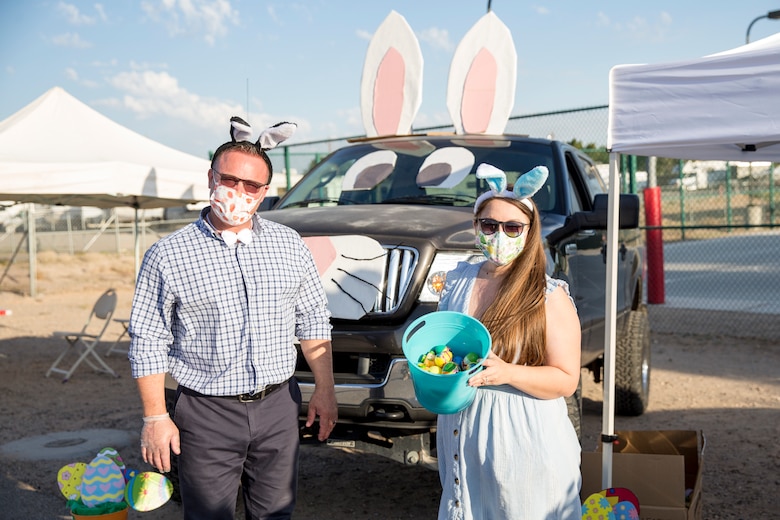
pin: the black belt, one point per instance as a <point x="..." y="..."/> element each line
<point x="244" y="398"/>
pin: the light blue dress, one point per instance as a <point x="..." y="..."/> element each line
<point x="508" y="455"/>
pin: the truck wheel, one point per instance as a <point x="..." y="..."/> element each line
<point x="574" y="406"/>
<point x="632" y="365"/>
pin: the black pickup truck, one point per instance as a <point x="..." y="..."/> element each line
<point x="413" y="196"/>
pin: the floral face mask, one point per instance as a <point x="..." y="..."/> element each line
<point x="231" y="206"/>
<point x="499" y="248"/>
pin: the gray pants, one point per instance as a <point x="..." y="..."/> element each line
<point x="227" y="444"/>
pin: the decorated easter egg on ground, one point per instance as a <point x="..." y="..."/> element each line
<point x="129" y="473"/>
<point x="102" y="482"/>
<point x="148" y="490"/>
<point x="618" y="494"/>
<point x="69" y="479"/>
<point x="625" y="511"/>
<point x="112" y="454"/>
<point x="597" y="507"/>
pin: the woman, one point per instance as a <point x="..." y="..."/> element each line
<point x="513" y="453"/>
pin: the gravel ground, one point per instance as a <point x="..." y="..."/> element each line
<point x="722" y="380"/>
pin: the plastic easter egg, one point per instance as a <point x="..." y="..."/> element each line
<point x="102" y="482"/>
<point x="69" y="479"/>
<point x="148" y="490"/>
<point x="470" y="360"/>
<point x="449" y="368"/>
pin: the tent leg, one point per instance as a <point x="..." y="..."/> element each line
<point x="31" y="249"/>
<point x="610" y="327"/>
<point x="136" y="246"/>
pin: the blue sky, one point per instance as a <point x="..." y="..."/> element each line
<point x="176" y="70"/>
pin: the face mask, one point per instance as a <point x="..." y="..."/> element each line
<point x="499" y="248"/>
<point x="232" y="207"/>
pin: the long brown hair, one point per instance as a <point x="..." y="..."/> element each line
<point x="516" y="319"/>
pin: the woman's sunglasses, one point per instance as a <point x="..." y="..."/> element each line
<point x="511" y="229"/>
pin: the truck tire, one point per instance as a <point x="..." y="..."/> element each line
<point x="632" y="365"/>
<point x="574" y="407"/>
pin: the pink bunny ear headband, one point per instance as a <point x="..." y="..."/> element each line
<point x="527" y="184"/>
<point x="269" y="138"/>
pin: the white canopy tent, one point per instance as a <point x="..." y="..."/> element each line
<point x="723" y="106"/>
<point x="59" y="151"/>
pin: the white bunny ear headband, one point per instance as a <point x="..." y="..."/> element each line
<point x="527" y="184"/>
<point x="269" y="138"/>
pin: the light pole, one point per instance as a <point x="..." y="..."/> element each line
<point x="772" y="15"/>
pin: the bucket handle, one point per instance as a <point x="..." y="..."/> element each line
<point x="414" y="330"/>
<point x="476" y="369"/>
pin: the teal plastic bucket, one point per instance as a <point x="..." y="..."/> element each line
<point x="444" y="393"/>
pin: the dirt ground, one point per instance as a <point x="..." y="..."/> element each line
<point x="725" y="385"/>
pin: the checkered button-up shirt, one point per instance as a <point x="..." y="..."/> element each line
<point x="223" y="319"/>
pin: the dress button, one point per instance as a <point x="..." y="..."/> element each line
<point x="457" y="503"/>
<point x="457" y="482"/>
<point x="455" y="433"/>
<point x="456" y="456"/>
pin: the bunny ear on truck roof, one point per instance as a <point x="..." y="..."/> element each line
<point x="391" y="86"/>
<point x="483" y="78"/>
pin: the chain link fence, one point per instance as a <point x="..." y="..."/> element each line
<point x="701" y="202"/>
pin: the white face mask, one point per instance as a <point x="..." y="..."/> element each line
<point x="499" y="248"/>
<point x="231" y="206"/>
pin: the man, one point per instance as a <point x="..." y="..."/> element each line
<point x="219" y="304"/>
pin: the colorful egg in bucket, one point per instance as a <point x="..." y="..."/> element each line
<point x="445" y="393"/>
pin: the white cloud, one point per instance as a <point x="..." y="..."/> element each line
<point x="640" y="28"/>
<point x="101" y="12"/>
<point x="364" y="35"/>
<point x="146" y="65"/>
<point x="187" y="17"/>
<point x="271" y="10"/>
<point x="73" y="15"/>
<point x="436" y="38"/>
<point x="70" y="40"/>
<point x="540" y="9"/>
<point x="158" y="94"/>
<point x="72" y="75"/>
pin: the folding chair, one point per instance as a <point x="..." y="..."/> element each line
<point x="85" y="341"/>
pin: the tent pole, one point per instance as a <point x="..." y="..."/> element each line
<point x="608" y="412"/>
<point x="31" y="249"/>
<point x="136" y="246"/>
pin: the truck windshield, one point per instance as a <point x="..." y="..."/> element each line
<point x="431" y="170"/>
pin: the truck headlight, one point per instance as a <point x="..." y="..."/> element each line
<point x="437" y="274"/>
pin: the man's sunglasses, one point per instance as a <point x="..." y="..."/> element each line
<point x="250" y="187"/>
<point x="511" y="229"/>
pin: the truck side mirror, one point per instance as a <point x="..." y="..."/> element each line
<point x="597" y="218"/>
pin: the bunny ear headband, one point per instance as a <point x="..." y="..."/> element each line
<point x="269" y="138"/>
<point x="527" y="184"/>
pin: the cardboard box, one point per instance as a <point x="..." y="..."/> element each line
<point x="662" y="468"/>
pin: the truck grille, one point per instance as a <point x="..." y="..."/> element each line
<point x="399" y="267"/>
